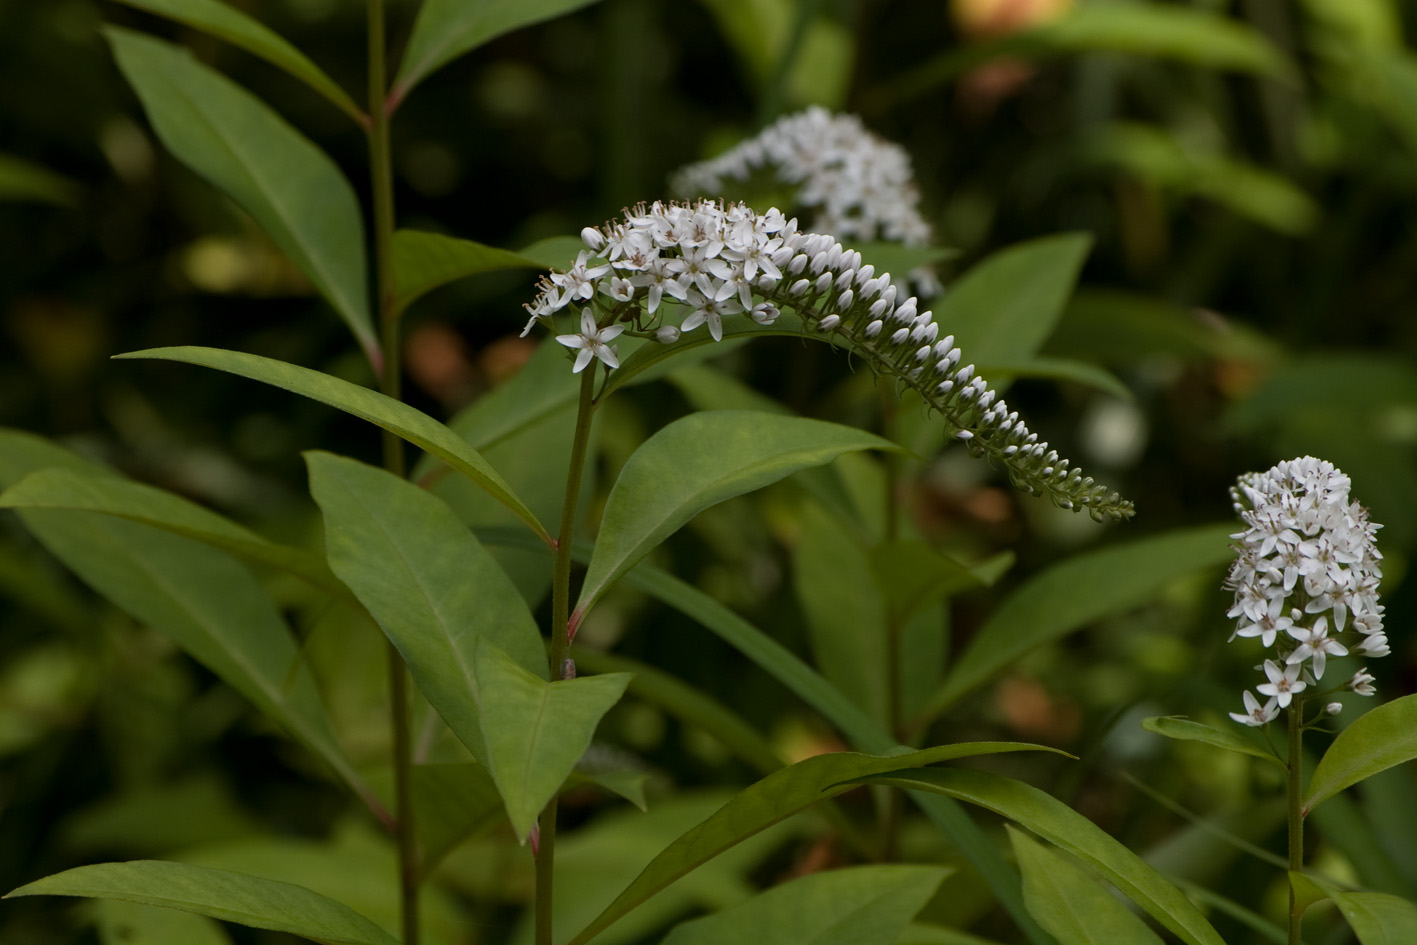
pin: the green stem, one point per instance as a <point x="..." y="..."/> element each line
<point x="1296" y="814"/>
<point x="390" y="382"/>
<point x="561" y="637"/>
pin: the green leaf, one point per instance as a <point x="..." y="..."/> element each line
<point x="1058" y="369"/>
<point x="699" y="461"/>
<point x="774" y="798"/>
<point x="1076" y="592"/>
<point x="1187" y="731"/>
<point x="1003" y="309"/>
<point x="59" y="488"/>
<point x="208" y="604"/>
<point x="541" y="388"/>
<point x="429" y="583"/>
<point x="847" y="621"/>
<point x="128" y="923"/>
<point x="1064" y="827"/>
<point x="446" y="29"/>
<point x="553" y="252"/>
<point x="22" y="180"/>
<point x="1376" y="918"/>
<point x="1376" y="741"/>
<point x="288" y="185"/>
<point x="1069" y="903"/>
<point x="450" y="802"/>
<point x="536" y="730"/>
<point x="230" y="24"/>
<point x="424" y="261"/>
<point x="413" y="425"/>
<point x="860" y="905"/>
<point x="233" y="897"/>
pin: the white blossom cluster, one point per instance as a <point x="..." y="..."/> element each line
<point x="1305" y="578"/>
<point x="722" y="261"/>
<point x="859" y="186"/>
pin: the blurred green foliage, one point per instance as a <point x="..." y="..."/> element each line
<point x="1245" y="171"/>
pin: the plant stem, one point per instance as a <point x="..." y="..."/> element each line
<point x="1296" y="815"/>
<point x="390" y="381"/>
<point x="561" y="639"/>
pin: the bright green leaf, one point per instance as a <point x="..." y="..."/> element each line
<point x="446" y="29"/>
<point x="228" y="23"/>
<point x="1076" y="592"/>
<point x="860" y="905"/>
<point x="1069" y="903"/>
<point x="413" y="425"/>
<point x="424" y="261"/>
<point x="208" y="604"/>
<point x="288" y="185"/>
<point x="22" y="180"/>
<point x="1376" y="918"/>
<point x="1186" y="730"/>
<point x="774" y="798"/>
<point x="699" y="461"/>
<point x="1376" y="741"/>
<point x="429" y="583"/>
<point x="232" y="897"/>
<point x="58" y="488"/>
<point x="1004" y="308"/>
<point x="1064" y="827"/>
<point x="536" y="731"/>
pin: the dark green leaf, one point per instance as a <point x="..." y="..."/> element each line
<point x="446" y="29"/>
<point x="413" y="425"/>
<point x="1376" y="918"/>
<point x="536" y="731"/>
<point x="1059" y="824"/>
<point x="21" y="180"/>
<point x="1376" y="741"/>
<point x="1070" y="904"/>
<point x="766" y="802"/>
<point x="699" y="461"/>
<point x="425" y="261"/>
<point x="230" y="24"/>
<point x="1072" y="594"/>
<point x="289" y="186"/>
<point x="233" y="897"/>
<point x="861" y="905"/>
<point x="429" y="583"/>
<point x="1186" y="730"/>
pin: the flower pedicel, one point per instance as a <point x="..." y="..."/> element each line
<point x="721" y="261"/>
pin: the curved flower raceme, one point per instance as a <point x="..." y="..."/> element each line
<point x="725" y="261"/>
<point x="1305" y="579"/>
<point x="858" y="186"/>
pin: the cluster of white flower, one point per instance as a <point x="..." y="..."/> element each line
<point x="1306" y="573"/>
<point x="720" y="260"/>
<point x="859" y="186"/>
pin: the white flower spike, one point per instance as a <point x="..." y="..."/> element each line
<point x="1308" y="552"/>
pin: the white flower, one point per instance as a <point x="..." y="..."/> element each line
<point x="1362" y="683"/>
<point x="592" y="342"/>
<point x="1283" y="683"/>
<point x="1254" y="713"/>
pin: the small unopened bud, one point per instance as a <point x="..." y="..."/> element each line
<point x="666" y="334"/>
<point x="1333" y="708"/>
<point x="830" y="322"/>
<point x="593" y="238"/>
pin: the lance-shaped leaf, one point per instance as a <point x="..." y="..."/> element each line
<point x="58" y="488"/>
<point x="1070" y="904"/>
<point x="1082" y="589"/>
<point x="863" y="905"/>
<point x="536" y="731"/>
<point x="699" y="461"/>
<point x="1376" y="918"/>
<point x="209" y="604"/>
<point x="1375" y="741"/>
<point x="1187" y="731"/>
<point x="429" y="583"/>
<point x="425" y="261"/>
<point x="227" y="22"/>
<point x="288" y="185"/>
<point x="446" y="29"/>
<point x="413" y="425"/>
<point x="23" y="180"/>
<point x="233" y="897"/>
<point x="1003" y="309"/>
<point x="1064" y="827"/>
<point x="774" y="798"/>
